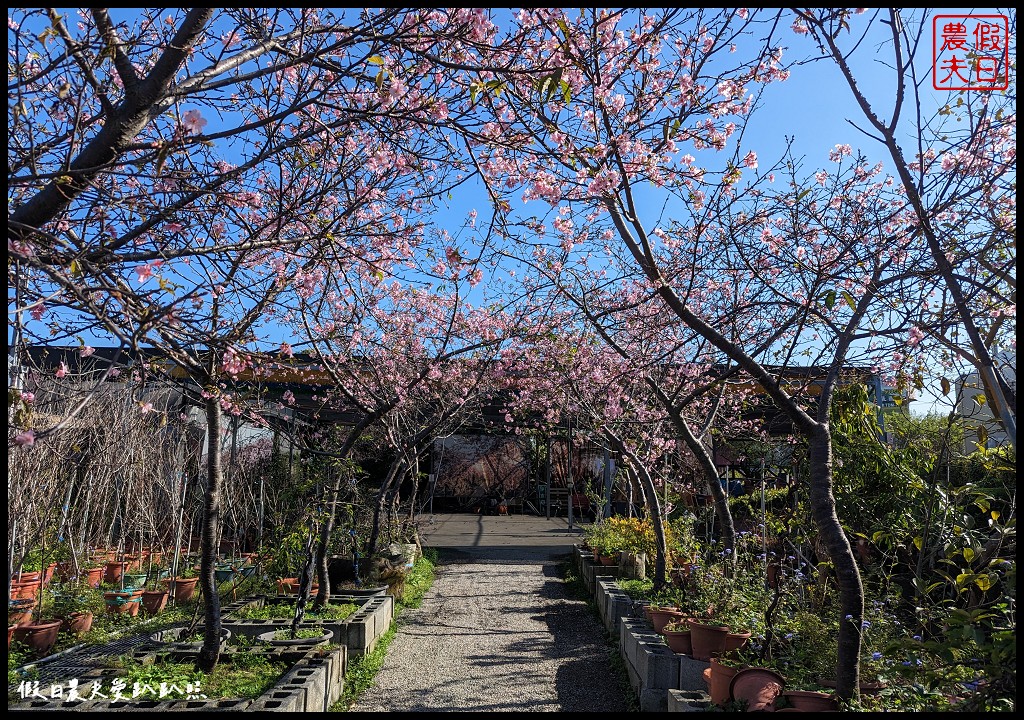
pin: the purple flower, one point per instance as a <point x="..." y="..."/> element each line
<point x="876" y="655"/>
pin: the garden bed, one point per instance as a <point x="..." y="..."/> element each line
<point x="296" y="679"/>
<point x="359" y="631"/>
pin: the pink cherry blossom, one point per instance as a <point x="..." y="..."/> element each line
<point x="62" y="370"/>
<point x="85" y="351"/>
<point x="192" y="122"/>
<point x="751" y="160"/>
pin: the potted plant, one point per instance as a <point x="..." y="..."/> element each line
<point x="154" y="599"/>
<point x="183" y="586"/>
<point x="71" y="605"/>
<point x="677" y="636"/>
<point x="38" y="636"/>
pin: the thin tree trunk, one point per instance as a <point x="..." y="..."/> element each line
<point x="210" y="652"/>
<point x="385" y="489"/>
<point x="851" y="591"/>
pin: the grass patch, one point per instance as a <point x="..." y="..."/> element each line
<point x="245" y="676"/>
<point x="276" y="611"/>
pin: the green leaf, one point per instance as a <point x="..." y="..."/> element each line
<point x="830" y="299"/>
<point x="375" y="60"/>
<point x="984" y="582"/>
<point x="566" y="92"/>
<point x="945" y="386"/>
<point x="980" y="399"/>
<point x="802" y="195"/>
<point x="850" y="300"/>
<point x="380" y="79"/>
<point x="76" y="269"/>
<point x="919" y="542"/>
<point x="968" y="554"/>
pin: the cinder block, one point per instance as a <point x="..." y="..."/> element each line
<point x="691" y="674"/>
<point x="657" y="665"/>
<point x="688" y="701"/>
<point x="653" y="700"/>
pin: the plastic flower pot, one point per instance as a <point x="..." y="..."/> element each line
<point x="708" y="639"/>
<point x="270" y="637"/>
<point x="662" y="616"/>
<point x="113" y="571"/>
<point x="171" y="638"/>
<point x="736" y="640"/>
<point x="154" y="601"/>
<point x="678" y="641"/>
<point x="77" y="623"/>
<point x="223" y="573"/>
<point x="38" y="637"/>
<point x="19" y="611"/>
<point x="719" y="679"/>
<point x="123" y="603"/>
<point x="94" y="576"/>
<point x="810" y="700"/>
<point x="182" y="588"/>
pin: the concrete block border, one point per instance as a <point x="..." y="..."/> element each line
<point x="359" y="632"/>
<point x="662" y="680"/>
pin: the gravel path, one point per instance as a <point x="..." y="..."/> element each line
<point x="497" y="635"/>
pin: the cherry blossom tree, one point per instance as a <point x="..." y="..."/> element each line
<point x="957" y="166"/>
<point x="764" y="276"/>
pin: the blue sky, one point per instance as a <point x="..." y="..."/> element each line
<point x="812" y="108"/>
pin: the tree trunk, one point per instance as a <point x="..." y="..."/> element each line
<point x="654" y="512"/>
<point x="210" y="652"/>
<point x="851" y="591"/>
<point x="385" y="488"/>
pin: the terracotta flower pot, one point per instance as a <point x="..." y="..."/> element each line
<point x="26" y="577"/>
<point x="183" y="588"/>
<point x="678" y="641"/>
<point x="77" y="623"/>
<point x="287" y="586"/>
<point x="25" y="591"/>
<point x="608" y="560"/>
<point x="123" y="603"/>
<point x="48" y="577"/>
<point x="719" y="677"/>
<point x="707" y="639"/>
<point x="154" y="601"/>
<point x="19" y="611"/>
<point x="662" y="616"/>
<point x="39" y="637"/>
<point x="94" y="576"/>
<point x="810" y="700"/>
<point x="114" y="570"/>
<point x="736" y="640"/>
<point x="758" y="687"/>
